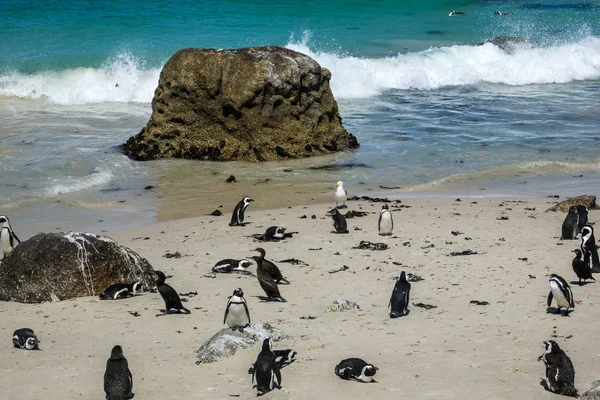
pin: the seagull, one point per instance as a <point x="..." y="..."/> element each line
<point x="340" y="194"/>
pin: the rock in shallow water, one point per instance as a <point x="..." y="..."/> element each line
<point x="226" y="342"/>
<point x="252" y="104"/>
<point x="59" y="266"/>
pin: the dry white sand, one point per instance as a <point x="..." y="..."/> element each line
<point x="454" y="351"/>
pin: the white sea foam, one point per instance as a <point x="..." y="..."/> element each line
<point x="124" y="79"/>
<point x="70" y="185"/>
<point x="355" y="77"/>
<point x="121" y="79"/>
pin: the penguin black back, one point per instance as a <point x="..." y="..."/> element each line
<point x="339" y="221"/>
<point x="230" y="265"/>
<point x="570" y="224"/>
<point x="589" y="249"/>
<point x="118" y="381"/>
<point x="266" y="371"/>
<point x="26" y="339"/>
<point x="560" y="374"/>
<point x="400" y="297"/>
<point x="116" y="291"/>
<point x="582" y="214"/>
<point x="355" y="368"/>
<point x="169" y="295"/>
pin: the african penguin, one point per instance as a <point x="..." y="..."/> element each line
<point x="386" y="222"/>
<point x="357" y="369"/>
<point x="283" y="358"/>
<point x="561" y="291"/>
<point x="25" y="338"/>
<point x="169" y="295"/>
<point x="266" y="371"/>
<point x="581" y="268"/>
<point x="230" y="265"/>
<point x="589" y="249"/>
<point x="569" y="226"/>
<point x="266" y="281"/>
<point x="118" y="381"/>
<point x="271" y="268"/>
<point x="275" y="233"/>
<point x="340" y="194"/>
<point x="582" y="217"/>
<point x="560" y="374"/>
<point x="121" y="291"/>
<point x="400" y="297"/>
<point x="7" y="237"/>
<point x="339" y="221"/>
<point x="237" y="218"/>
<point x="237" y="315"/>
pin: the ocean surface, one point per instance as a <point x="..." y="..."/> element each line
<point x="436" y="111"/>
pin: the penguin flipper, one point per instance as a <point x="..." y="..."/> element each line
<point x="550" y="299"/>
<point x="15" y="236"/>
<point x="247" y="311"/>
<point x="185" y="310"/>
<point x="227" y="311"/>
<point x="277" y="375"/>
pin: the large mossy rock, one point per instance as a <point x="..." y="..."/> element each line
<point x="59" y="266"/>
<point x="252" y="104"/>
<point x="227" y="341"/>
<point x="587" y="200"/>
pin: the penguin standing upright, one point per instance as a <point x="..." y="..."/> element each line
<point x="386" y="222"/>
<point x="339" y="221"/>
<point x="25" y="338"/>
<point x="560" y="374"/>
<point x="229" y="265"/>
<point x="237" y="315"/>
<point x="581" y="268"/>
<point x="7" y="237"/>
<point x="589" y="249"/>
<point x="237" y="218"/>
<point x="582" y="217"/>
<point x="570" y="224"/>
<point x="118" y="381"/>
<point x="266" y="370"/>
<point x="340" y="194"/>
<point x="400" y="297"/>
<point x="271" y="268"/>
<point x="266" y="281"/>
<point x="561" y="291"/>
<point x="357" y="369"/>
<point x="169" y="295"/>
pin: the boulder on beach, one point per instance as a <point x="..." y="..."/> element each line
<point x="251" y="104"/>
<point x="59" y="266"/>
<point x="226" y="342"/>
<point x="593" y="393"/>
<point x="587" y="200"/>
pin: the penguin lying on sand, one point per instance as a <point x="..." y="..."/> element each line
<point x="25" y="338"/>
<point x="230" y="265"/>
<point x="121" y="291"/>
<point x="356" y="368"/>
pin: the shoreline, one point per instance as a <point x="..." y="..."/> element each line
<point x="435" y="352"/>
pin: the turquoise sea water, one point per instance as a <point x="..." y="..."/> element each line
<point x="431" y="107"/>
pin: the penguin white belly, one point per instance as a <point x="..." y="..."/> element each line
<point x="386" y="224"/>
<point x="561" y="300"/>
<point x="236" y="316"/>
<point x="5" y="243"/>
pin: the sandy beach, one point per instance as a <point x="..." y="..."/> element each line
<point x="454" y="351"/>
